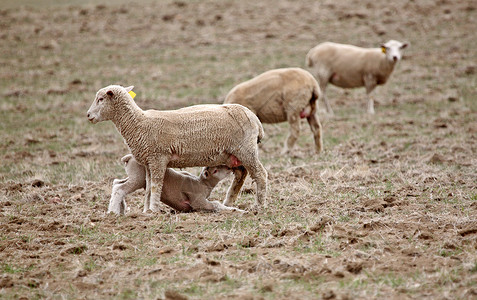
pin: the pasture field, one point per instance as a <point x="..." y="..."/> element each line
<point x="388" y="210"/>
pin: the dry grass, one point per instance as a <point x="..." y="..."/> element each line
<point x="388" y="210"/>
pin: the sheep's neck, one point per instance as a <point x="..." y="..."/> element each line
<point x="127" y="120"/>
<point x="387" y="66"/>
<point x="211" y="182"/>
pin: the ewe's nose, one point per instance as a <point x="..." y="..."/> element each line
<point x="395" y="58"/>
<point x="88" y="115"/>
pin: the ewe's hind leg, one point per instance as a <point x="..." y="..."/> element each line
<point x="323" y="83"/>
<point x="240" y="173"/>
<point x="259" y="176"/>
<point x="370" y="84"/>
<point x="316" y="128"/>
<point x="294" y="121"/>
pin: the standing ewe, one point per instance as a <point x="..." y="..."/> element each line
<point x="348" y="66"/>
<point x="201" y="135"/>
<point x="282" y="95"/>
<point x="182" y="190"/>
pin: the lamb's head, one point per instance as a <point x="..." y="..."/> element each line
<point x="392" y="50"/>
<point x="102" y="108"/>
<point x="218" y="173"/>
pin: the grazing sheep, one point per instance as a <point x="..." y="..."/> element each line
<point x="348" y="66"/>
<point x="201" y="135"/>
<point x="181" y="191"/>
<point x="282" y="95"/>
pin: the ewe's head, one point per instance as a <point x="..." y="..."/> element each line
<point x="392" y="49"/>
<point x="103" y="107"/>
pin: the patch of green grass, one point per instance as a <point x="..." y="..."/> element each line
<point x="90" y="265"/>
<point x="127" y="294"/>
<point x="13" y="269"/>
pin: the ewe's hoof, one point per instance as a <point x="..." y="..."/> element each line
<point x="113" y="212"/>
<point x="154" y="209"/>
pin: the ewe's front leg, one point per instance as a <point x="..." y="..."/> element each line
<point x="370" y="82"/>
<point x="240" y="173"/>
<point x="157" y="172"/>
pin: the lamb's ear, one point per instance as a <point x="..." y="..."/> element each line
<point x="383" y="48"/>
<point x="206" y="173"/>
<point x="110" y="93"/>
<point x="404" y="45"/>
<point x="129" y="88"/>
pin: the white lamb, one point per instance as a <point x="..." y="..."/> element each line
<point x="282" y="95"/>
<point x="201" y="135"/>
<point x="348" y="66"/>
<point x="181" y="191"/>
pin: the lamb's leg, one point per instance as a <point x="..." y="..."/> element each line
<point x="117" y="196"/>
<point x="240" y="173"/>
<point x="199" y="203"/>
<point x="294" y="121"/>
<point x="370" y="83"/>
<point x="316" y="128"/>
<point x="157" y="171"/>
<point x="147" y="198"/>
<point x="117" y="204"/>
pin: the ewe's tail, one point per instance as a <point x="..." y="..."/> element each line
<point x="261" y="133"/>
<point x="308" y="60"/>
<point x="316" y="95"/>
<point x="254" y="119"/>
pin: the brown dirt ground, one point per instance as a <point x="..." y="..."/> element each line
<point x="388" y="210"/>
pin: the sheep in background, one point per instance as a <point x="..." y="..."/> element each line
<point x="201" y="135"/>
<point x="282" y="95"/>
<point x="348" y="66"/>
<point x="182" y="190"/>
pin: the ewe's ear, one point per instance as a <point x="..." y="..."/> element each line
<point x="404" y="45"/>
<point x="129" y="88"/>
<point x="110" y="93"/>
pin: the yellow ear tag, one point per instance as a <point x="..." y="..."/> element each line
<point x="383" y="49"/>
<point x="133" y="94"/>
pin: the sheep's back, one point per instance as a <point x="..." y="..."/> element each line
<point x="202" y="135"/>
<point x="267" y="94"/>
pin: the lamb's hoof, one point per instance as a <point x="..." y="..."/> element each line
<point x="240" y="210"/>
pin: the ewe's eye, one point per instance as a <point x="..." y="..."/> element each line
<point x="100" y="99"/>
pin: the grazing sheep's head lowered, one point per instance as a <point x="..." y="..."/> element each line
<point x="392" y="49"/>
<point x="102" y="107"/>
